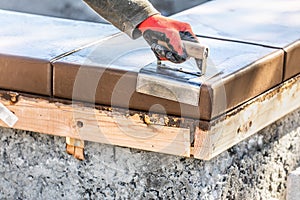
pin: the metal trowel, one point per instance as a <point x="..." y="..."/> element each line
<point x="176" y="82"/>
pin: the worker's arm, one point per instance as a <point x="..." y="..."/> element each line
<point x="137" y="17"/>
<point x="126" y="15"/>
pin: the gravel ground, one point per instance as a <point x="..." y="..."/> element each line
<point x="35" y="166"/>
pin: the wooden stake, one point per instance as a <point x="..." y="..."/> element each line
<point x="75" y="147"/>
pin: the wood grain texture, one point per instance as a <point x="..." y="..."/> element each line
<point x="109" y="127"/>
<point x="247" y="119"/>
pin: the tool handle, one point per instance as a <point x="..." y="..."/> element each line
<point x="195" y="50"/>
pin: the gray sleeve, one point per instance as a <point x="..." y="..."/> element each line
<point x="126" y="15"/>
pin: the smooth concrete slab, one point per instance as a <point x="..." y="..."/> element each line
<point x="29" y="42"/>
<point x="270" y="22"/>
<point x="106" y="73"/>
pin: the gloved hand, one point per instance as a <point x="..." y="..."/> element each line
<point x="165" y="36"/>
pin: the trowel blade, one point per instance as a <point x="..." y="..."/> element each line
<point x="176" y="82"/>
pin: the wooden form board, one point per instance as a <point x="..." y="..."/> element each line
<point x="189" y="138"/>
<point x="107" y="126"/>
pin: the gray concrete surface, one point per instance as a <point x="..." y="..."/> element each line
<point x="71" y="9"/>
<point x="35" y="166"/>
<point x="293" y="185"/>
<point x="77" y="9"/>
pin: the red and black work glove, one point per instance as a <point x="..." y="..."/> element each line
<point x="165" y="36"/>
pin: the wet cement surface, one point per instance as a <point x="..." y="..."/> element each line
<point x="271" y="23"/>
<point x="77" y="9"/>
<point x="106" y="73"/>
<point x="30" y="42"/>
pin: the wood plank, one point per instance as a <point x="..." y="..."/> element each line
<point x="91" y="124"/>
<point x="247" y="119"/>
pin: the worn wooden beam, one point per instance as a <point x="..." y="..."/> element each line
<point x="107" y="125"/>
<point x="220" y="134"/>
